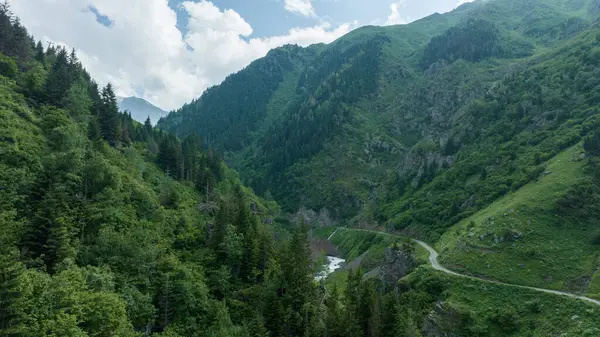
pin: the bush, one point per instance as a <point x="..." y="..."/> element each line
<point x="8" y="67"/>
<point x="506" y="318"/>
<point x="591" y="144"/>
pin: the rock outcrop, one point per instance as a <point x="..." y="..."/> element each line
<point x="396" y="264"/>
<point x="442" y="321"/>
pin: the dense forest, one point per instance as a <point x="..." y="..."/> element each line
<point x="109" y="227"/>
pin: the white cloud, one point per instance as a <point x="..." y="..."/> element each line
<point x="144" y="54"/>
<point x="302" y="7"/>
<point x="462" y="2"/>
<point x="394" y="18"/>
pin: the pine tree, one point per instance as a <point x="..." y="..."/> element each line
<point x="275" y="316"/>
<point x="5" y="27"/>
<point x="366" y="307"/>
<point x="191" y="148"/>
<point x="74" y="62"/>
<point x="248" y="269"/>
<point x="389" y="316"/>
<point x="108" y="115"/>
<point x="77" y="100"/>
<point x="59" y="79"/>
<point x="257" y="328"/>
<point x="351" y="297"/>
<point x="40" y="54"/>
<point x="297" y="268"/>
<point x="334" y="320"/>
<point x="243" y="220"/>
<point x="170" y="158"/>
<point x="218" y="234"/>
<point x="94" y="133"/>
<point x="20" y="42"/>
<point x="126" y="130"/>
<point x="148" y="129"/>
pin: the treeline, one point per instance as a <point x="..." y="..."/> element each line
<point x="473" y="40"/>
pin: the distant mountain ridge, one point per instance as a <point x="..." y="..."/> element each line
<point x="141" y="109"/>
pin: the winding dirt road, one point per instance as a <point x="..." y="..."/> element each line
<point x="433" y="260"/>
<point x="435" y="264"/>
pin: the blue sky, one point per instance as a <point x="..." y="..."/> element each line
<point x="269" y="17"/>
<point x="169" y="51"/>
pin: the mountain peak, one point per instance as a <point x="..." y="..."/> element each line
<point x="141" y="109"/>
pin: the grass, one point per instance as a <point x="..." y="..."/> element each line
<point x="497" y="310"/>
<point x="594" y="286"/>
<point x="521" y="238"/>
<point x="322" y="232"/>
<point x="353" y="243"/>
<point x="368" y="246"/>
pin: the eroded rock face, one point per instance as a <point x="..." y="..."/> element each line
<point x="442" y="321"/>
<point x="321" y="219"/>
<point x="396" y="264"/>
<point x="416" y="162"/>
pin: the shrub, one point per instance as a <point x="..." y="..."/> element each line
<point x="8" y="67"/>
<point x="506" y="318"/>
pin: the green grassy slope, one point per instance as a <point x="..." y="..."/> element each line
<point x="523" y="238"/>
<point x="353" y="243"/>
<point x="368" y="245"/>
<point x="478" y="308"/>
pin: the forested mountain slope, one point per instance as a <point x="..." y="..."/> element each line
<point x="417" y="126"/>
<point x="109" y="227"/>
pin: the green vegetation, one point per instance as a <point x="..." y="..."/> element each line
<point x="322" y="232"/>
<point x="368" y="246"/>
<point x="109" y="227"/>
<point x="475" y="40"/>
<point x="538" y="235"/>
<point x="428" y="302"/>
<point x="479" y="308"/>
<point x="463" y="129"/>
<point x="477" y="128"/>
<point x="418" y="126"/>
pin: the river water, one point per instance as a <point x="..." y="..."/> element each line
<point x="333" y="264"/>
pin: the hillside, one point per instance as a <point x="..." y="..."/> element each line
<point x="109" y="227"/>
<point x="450" y="304"/>
<point x="545" y="234"/>
<point x="141" y="109"/>
<point x="417" y="126"/>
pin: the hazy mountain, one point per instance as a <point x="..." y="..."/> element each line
<point x="140" y="109"/>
